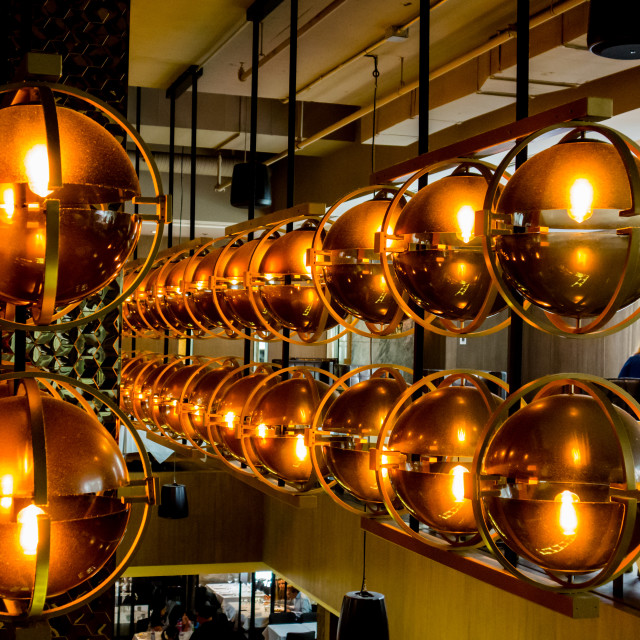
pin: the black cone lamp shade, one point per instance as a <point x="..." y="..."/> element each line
<point x="241" y="185"/>
<point x="363" y="616"/>
<point x="173" y="501"/>
<point x="614" y="29"/>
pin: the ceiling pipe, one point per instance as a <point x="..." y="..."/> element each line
<point x="498" y="40"/>
<point x="357" y="56"/>
<point x="244" y="75"/>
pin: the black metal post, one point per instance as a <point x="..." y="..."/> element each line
<point x="272" y="604"/>
<point x="252" y="619"/>
<point x="137" y="168"/>
<point x="423" y="147"/>
<point x="172" y="157"/>
<point x="194" y="130"/>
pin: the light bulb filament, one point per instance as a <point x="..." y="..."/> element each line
<point x="262" y="430"/>
<point x="466" y="218"/>
<point x="457" y="486"/>
<point x="581" y="197"/>
<point x="568" y="516"/>
<point x="229" y="418"/>
<point x="36" y="164"/>
<point x="28" y="518"/>
<point x="301" y="450"/>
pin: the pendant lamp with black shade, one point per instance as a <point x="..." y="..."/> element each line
<point x="614" y="29"/>
<point x="173" y="500"/>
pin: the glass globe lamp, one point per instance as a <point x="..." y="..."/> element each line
<point x="563" y="233"/>
<point x="349" y="431"/>
<point x="431" y="444"/>
<point x="557" y="480"/>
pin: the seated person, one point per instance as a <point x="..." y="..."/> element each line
<point x="298" y="602"/>
<point x="212" y="625"/>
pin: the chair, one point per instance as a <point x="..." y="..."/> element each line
<point x="308" y="616"/>
<point x="301" y="635"/>
<point x="284" y="617"/>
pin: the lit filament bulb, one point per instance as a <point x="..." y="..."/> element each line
<point x="229" y="417"/>
<point x="581" y="197"/>
<point x="307" y="267"/>
<point x="6" y="487"/>
<point x="466" y="218"/>
<point x="36" y="163"/>
<point x="462" y="435"/>
<point x="457" y="486"/>
<point x="568" y="515"/>
<point x="9" y="204"/>
<point x="384" y="460"/>
<point x="28" y="518"/>
<point x="301" y="450"/>
<point x="262" y="430"/>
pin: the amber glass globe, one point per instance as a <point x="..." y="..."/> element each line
<point x="355" y="419"/>
<point x="557" y="473"/>
<point x="95" y="240"/>
<point x="442" y="265"/>
<point x="286" y="287"/>
<point x="83" y="466"/>
<point x="282" y="415"/>
<point x="354" y="275"/>
<point x="234" y="291"/>
<point x="561" y="248"/>
<point x="438" y="434"/>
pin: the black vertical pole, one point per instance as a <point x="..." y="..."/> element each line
<point x="194" y="129"/>
<point x="253" y="144"/>
<point x="516" y="329"/>
<point x="252" y="619"/>
<point x="423" y="147"/>
<point x="172" y="159"/>
<point x="291" y="135"/>
<point x="272" y="604"/>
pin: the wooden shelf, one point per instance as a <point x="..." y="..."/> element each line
<point x="488" y="570"/>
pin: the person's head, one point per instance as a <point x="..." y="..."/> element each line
<point x="155" y="622"/>
<point x="170" y="633"/>
<point x="205" y="613"/>
<point x="293" y="592"/>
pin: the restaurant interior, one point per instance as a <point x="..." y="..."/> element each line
<point x="313" y="318"/>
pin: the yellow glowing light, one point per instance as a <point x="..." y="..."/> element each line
<point x="28" y="518"/>
<point x="457" y="486"/>
<point x="384" y="460"/>
<point x="262" y="430"/>
<point x="301" y="450"/>
<point x="9" y="203"/>
<point x="581" y="196"/>
<point x="466" y="218"/>
<point x="568" y="515"/>
<point x="36" y="163"/>
<point x="6" y="488"/>
<point x="582" y="258"/>
<point x="229" y="418"/>
<point x="462" y="435"/>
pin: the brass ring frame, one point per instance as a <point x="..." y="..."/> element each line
<point x="450" y="329"/>
<point x="260" y="367"/>
<point x="248" y="431"/>
<point x="553" y="323"/>
<point x="224" y="362"/>
<point x="218" y="284"/>
<point x="253" y="274"/>
<point x="476" y="378"/>
<point x="220" y="331"/>
<point x="39" y="457"/>
<point x="160" y="200"/>
<point x="316" y="262"/>
<point x="619" y="559"/>
<point x="316" y="433"/>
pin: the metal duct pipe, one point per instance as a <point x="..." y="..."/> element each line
<point x="205" y="165"/>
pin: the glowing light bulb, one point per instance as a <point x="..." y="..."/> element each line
<point x="301" y="450"/>
<point x="466" y="218"/>
<point x="457" y="486"/>
<point x="6" y="488"/>
<point x="229" y="418"/>
<point x="262" y="430"/>
<point x="581" y="197"/>
<point x="28" y="518"/>
<point x="9" y="205"/>
<point x="36" y="163"/>
<point x="384" y="460"/>
<point x="568" y="515"/>
<point x="462" y="436"/>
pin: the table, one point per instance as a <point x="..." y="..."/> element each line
<point x="279" y="631"/>
<point x="146" y="635"/>
<point x="227" y="596"/>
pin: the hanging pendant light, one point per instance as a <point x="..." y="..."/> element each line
<point x="173" y="502"/>
<point x="363" y="615"/>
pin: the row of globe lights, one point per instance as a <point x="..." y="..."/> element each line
<point x="566" y="252"/>
<point x="393" y="454"/>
